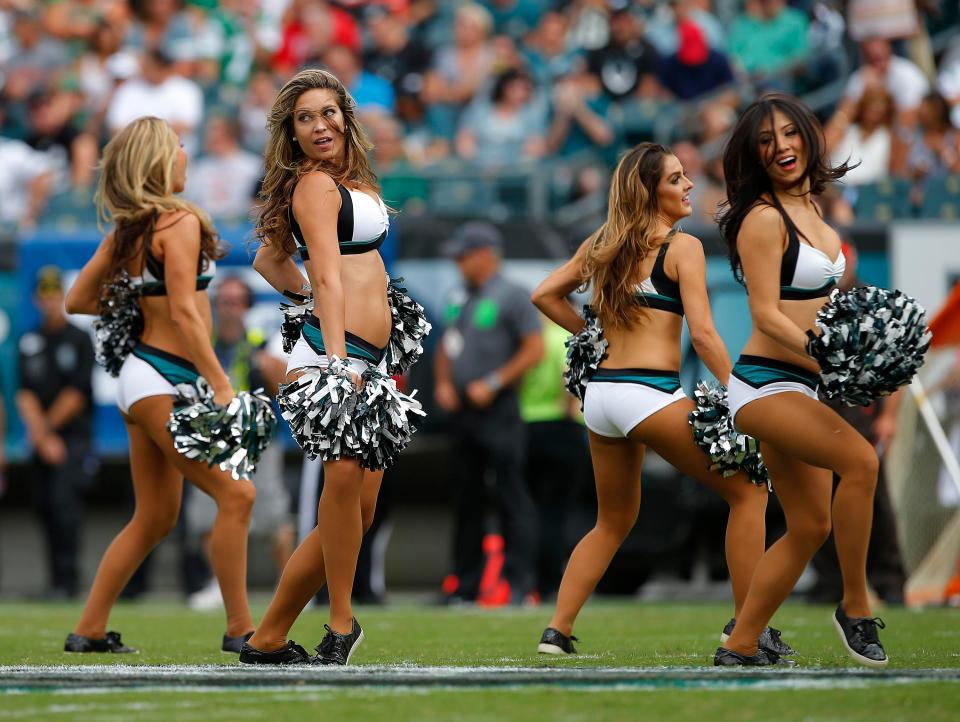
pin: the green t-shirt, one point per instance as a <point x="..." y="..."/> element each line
<point x="762" y="45"/>
<point x="542" y="395"/>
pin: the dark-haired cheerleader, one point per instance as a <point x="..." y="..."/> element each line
<point x="645" y="278"/>
<point x="167" y="247"/>
<point x="790" y="260"/>
<point x="321" y="202"/>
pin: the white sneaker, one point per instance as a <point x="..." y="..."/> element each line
<point x="207" y="599"/>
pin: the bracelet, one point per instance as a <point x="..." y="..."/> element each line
<point x="493" y="381"/>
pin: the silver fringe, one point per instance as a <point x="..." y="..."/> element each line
<point x="294" y="316"/>
<point x="410" y="327"/>
<point x="120" y="324"/>
<point x="586" y="349"/>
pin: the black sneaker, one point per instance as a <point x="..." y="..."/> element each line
<point x="336" y="649"/>
<point x="553" y="642"/>
<point x="110" y="643"/>
<point x="769" y="639"/>
<point x="763" y="658"/>
<point x="859" y="635"/>
<point x="293" y="653"/>
<point x="233" y="645"/>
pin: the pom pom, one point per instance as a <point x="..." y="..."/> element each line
<point x="410" y="327"/>
<point x="586" y="349"/>
<point x="730" y="452"/>
<point x="118" y="327"/>
<point x="294" y="316"/>
<point x="319" y="407"/>
<point x="232" y="436"/>
<point x="331" y="419"/>
<point x="872" y="341"/>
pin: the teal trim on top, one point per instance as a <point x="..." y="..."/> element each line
<point x="828" y="284"/>
<point x="644" y="294"/>
<point x="172" y="372"/>
<point x="316" y="340"/>
<point x="666" y="384"/>
<point x="763" y="375"/>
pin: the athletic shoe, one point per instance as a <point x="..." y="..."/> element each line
<point x="859" y="635"/>
<point x="553" y="642"/>
<point x="769" y="639"/>
<point x="110" y="643"/>
<point x="233" y="645"/>
<point x="763" y="658"/>
<point x="207" y="599"/>
<point x="336" y="649"/>
<point x="293" y="653"/>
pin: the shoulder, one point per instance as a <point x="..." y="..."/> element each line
<point x="179" y="222"/>
<point x="763" y="220"/>
<point x="684" y="244"/>
<point x="313" y="184"/>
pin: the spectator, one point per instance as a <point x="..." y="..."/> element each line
<point x="628" y="63"/>
<point x="371" y="93"/>
<point x="160" y="92"/>
<point x="100" y="67"/>
<point x="769" y="36"/>
<point x="164" y="26"/>
<point x="581" y="112"/>
<point x="515" y="18"/>
<point x="905" y="81"/>
<point x="79" y="21"/>
<point x="948" y="81"/>
<point x="510" y="129"/>
<point x="492" y="339"/>
<point x="309" y="28"/>
<point x="230" y="37"/>
<point x="935" y="146"/>
<point x="460" y="69"/>
<point x="827" y="55"/>
<point x="664" y="21"/>
<point x="55" y="131"/>
<point x="34" y="57"/>
<point x="868" y="138"/>
<point x="890" y="19"/>
<point x="398" y="58"/>
<point x="706" y="194"/>
<point x="250" y="364"/>
<point x="224" y="180"/>
<point x="695" y="68"/>
<point x="55" y="403"/>
<point x="253" y="111"/>
<point x="548" y="52"/>
<point x="26" y="179"/>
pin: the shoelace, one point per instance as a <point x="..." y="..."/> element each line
<point x="332" y="644"/>
<point x="113" y="638"/>
<point x="867" y="629"/>
<point x="297" y="648"/>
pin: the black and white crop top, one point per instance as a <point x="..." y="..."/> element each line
<point x="152" y="281"/>
<point x="658" y="291"/>
<point x="807" y="272"/>
<point x="362" y="224"/>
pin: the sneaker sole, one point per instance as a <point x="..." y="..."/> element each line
<point x="354" y="648"/>
<point x="552" y="649"/>
<point x="857" y="657"/>
<point x="724" y="637"/>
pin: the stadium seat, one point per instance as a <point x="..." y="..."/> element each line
<point x="883" y="201"/>
<point x="69" y="209"/>
<point x="941" y="198"/>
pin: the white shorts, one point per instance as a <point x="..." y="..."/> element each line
<point x="755" y="377"/>
<point x="617" y="400"/>
<point x="150" y="371"/>
<point x="309" y="351"/>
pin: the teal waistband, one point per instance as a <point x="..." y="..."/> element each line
<point x="173" y="368"/>
<point x="356" y="346"/>
<point x="666" y="381"/>
<point x="759" y="371"/>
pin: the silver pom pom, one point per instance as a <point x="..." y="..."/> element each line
<point x="382" y="420"/>
<point x="730" y="451"/>
<point x="232" y="436"/>
<point x="118" y="328"/>
<point x="294" y="316"/>
<point x="410" y="327"/>
<point x="872" y="341"/>
<point x="586" y="349"/>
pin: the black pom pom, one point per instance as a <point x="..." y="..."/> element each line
<point x="586" y="349"/>
<point x="294" y="316"/>
<point x="118" y="328"/>
<point x="410" y="327"/>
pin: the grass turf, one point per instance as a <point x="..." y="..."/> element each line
<point x="614" y="634"/>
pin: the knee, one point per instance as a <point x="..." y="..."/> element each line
<point x="812" y="532"/>
<point x="617" y="526"/>
<point x="862" y="469"/>
<point x="237" y="498"/>
<point x="741" y="494"/>
<point x="157" y="525"/>
<point x="367" y="515"/>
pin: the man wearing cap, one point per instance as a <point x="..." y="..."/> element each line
<point x="54" y="399"/>
<point x="492" y="338"/>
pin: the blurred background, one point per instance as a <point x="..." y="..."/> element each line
<point x="509" y="112"/>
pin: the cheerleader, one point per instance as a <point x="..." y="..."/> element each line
<point x="168" y="247"/>
<point x="321" y="202"/>
<point x="646" y="277"/>
<point x="789" y="258"/>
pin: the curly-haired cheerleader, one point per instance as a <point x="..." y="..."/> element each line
<point x="790" y="259"/>
<point x="321" y="201"/>
<point x="168" y="247"/>
<point x="645" y="277"/>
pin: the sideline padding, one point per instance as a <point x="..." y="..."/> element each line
<point x="124" y="676"/>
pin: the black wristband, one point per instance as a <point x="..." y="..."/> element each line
<point x="296" y="297"/>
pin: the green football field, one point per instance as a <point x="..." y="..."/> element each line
<point x="638" y="661"/>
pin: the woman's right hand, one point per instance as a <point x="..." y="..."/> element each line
<point x="224" y="395"/>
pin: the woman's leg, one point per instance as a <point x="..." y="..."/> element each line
<point x="616" y="466"/>
<point x="305" y="574"/>
<point x="157" y="487"/>
<point x="668" y="433"/>
<point x="802" y="441"/>
<point x="234" y="498"/>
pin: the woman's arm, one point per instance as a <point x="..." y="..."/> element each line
<point x="760" y="243"/>
<point x="84" y="294"/>
<point x="551" y="295"/>
<point x="691" y="268"/>
<point x="179" y="244"/>
<point x="280" y="271"/>
<point x="316" y="203"/>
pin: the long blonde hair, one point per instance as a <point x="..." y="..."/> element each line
<point x="616" y="249"/>
<point x="286" y="162"/>
<point x="136" y="187"/>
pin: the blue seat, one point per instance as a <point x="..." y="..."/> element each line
<point x="884" y="201"/>
<point x="941" y="198"/>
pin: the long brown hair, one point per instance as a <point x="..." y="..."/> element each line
<point x="286" y="163"/>
<point x="136" y="187"/>
<point x="618" y="247"/>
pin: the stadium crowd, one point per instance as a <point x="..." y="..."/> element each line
<point x="472" y="88"/>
